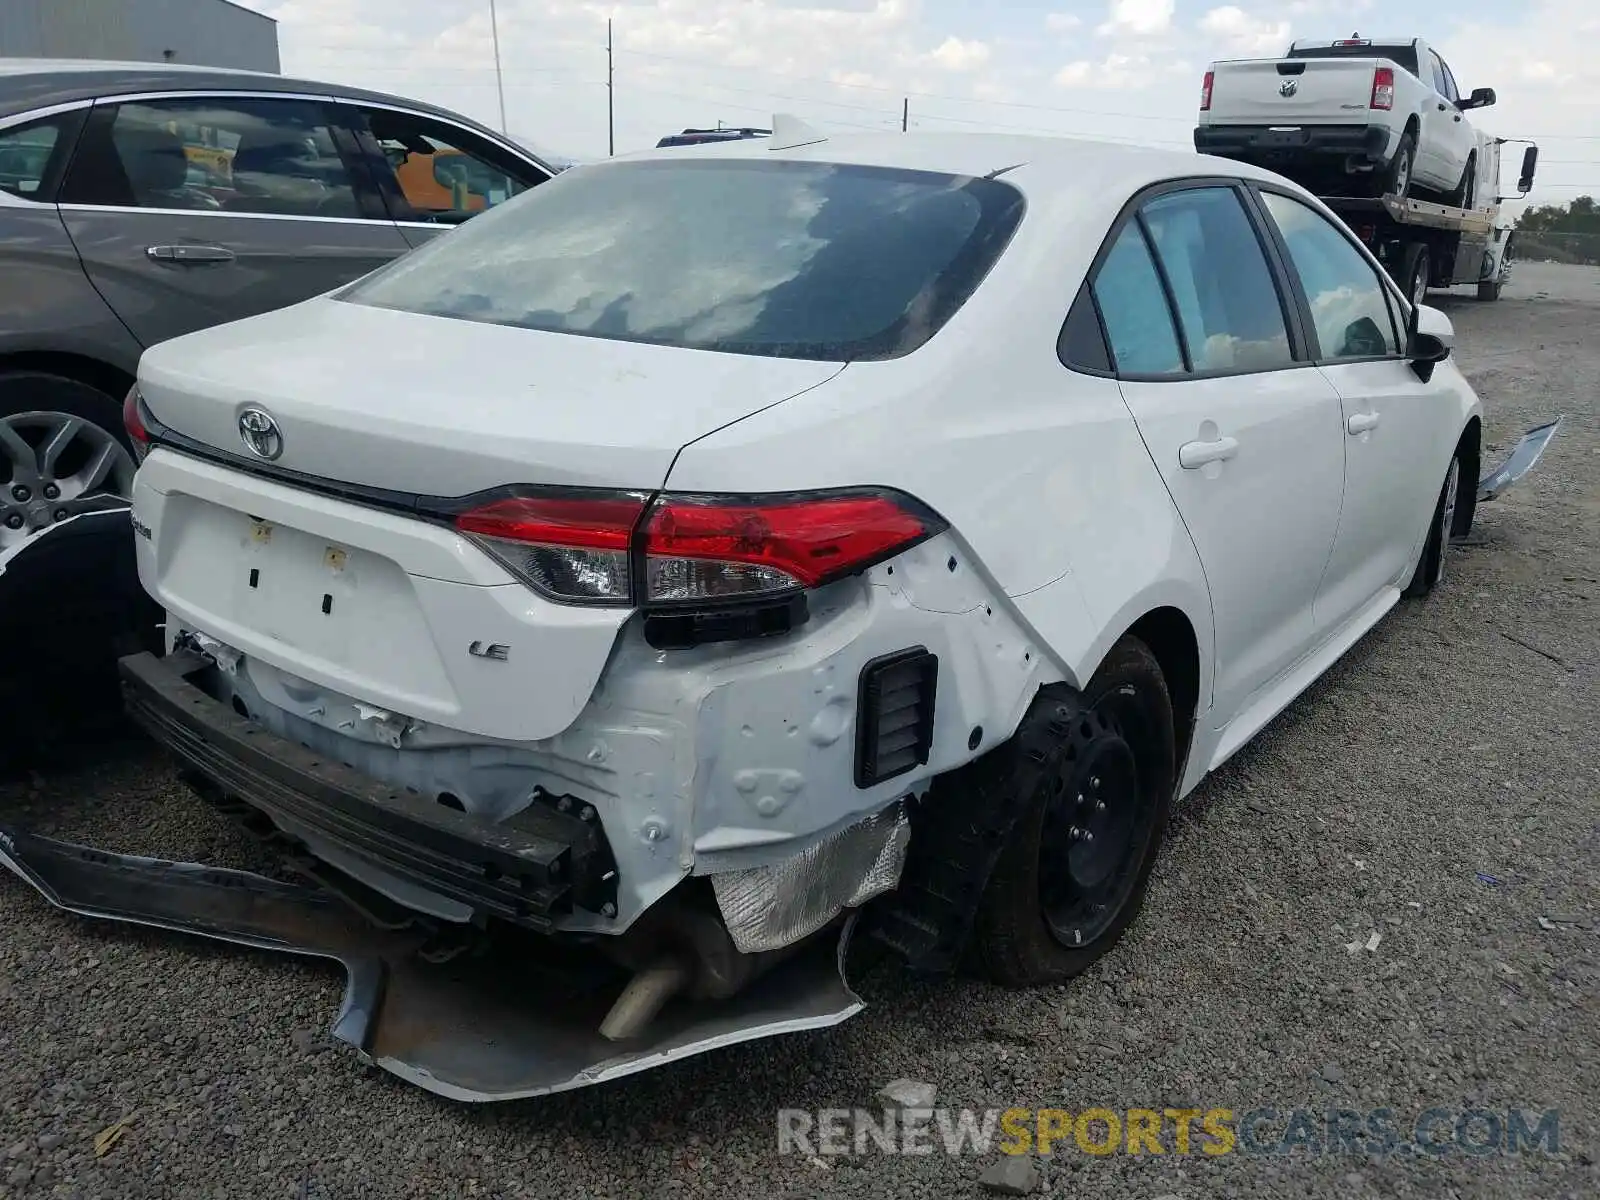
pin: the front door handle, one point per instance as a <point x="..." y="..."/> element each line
<point x="1194" y="455"/>
<point x="1361" y="422"/>
<point x="189" y="254"/>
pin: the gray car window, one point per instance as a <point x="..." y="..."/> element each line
<point x="1349" y="306"/>
<point x="442" y="173"/>
<point x="245" y="155"/>
<point x="24" y="156"/>
<point x="1227" y="303"/>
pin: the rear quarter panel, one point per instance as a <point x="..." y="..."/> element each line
<point x="1039" y="470"/>
<point x="46" y="301"/>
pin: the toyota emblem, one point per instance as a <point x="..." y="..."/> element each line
<point x="260" y="433"/>
<point x="1288" y="87"/>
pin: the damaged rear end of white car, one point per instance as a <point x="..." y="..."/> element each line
<point x="587" y="773"/>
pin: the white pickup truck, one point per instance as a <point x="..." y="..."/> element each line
<point x="1386" y="110"/>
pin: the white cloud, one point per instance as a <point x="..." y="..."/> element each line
<point x="1244" y="34"/>
<point x="845" y="64"/>
<point x="954" y="54"/>
<point x="1140" y="18"/>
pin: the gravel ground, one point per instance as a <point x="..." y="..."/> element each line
<point x="1439" y="787"/>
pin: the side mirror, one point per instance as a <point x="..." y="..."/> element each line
<point x="1429" y="340"/>
<point x="1480" y="98"/>
<point x="1530" y="160"/>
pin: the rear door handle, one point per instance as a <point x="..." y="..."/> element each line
<point x="1194" y="455"/>
<point x="189" y="254"/>
<point x="1361" y="422"/>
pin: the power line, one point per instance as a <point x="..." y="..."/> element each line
<point x="755" y="108"/>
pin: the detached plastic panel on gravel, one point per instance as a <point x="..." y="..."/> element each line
<point x="478" y="1028"/>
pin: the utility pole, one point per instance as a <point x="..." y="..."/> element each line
<point x="905" y="113"/>
<point x="499" y="79"/>
<point x="611" y="96"/>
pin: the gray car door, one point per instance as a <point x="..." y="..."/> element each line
<point x="189" y="211"/>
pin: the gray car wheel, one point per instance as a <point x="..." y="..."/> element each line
<point x="59" y="452"/>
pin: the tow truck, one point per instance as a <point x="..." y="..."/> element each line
<point x="1425" y="245"/>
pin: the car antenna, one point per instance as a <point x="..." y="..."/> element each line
<point x="789" y="132"/>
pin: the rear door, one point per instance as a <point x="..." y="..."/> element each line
<point x="193" y="210"/>
<point x="1396" y="429"/>
<point x="1244" y="429"/>
<point x="434" y="174"/>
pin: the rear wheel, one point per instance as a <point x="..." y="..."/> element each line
<point x="62" y="446"/>
<point x="1101" y="769"/>
<point x="1395" y="179"/>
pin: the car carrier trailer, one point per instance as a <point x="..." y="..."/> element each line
<point x="1423" y="244"/>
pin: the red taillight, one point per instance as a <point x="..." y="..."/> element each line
<point x="133" y="422"/>
<point x="1383" y="87"/>
<point x="769" y="546"/>
<point x="1205" y="91"/>
<point x="570" y="546"/>
<point x="694" y="549"/>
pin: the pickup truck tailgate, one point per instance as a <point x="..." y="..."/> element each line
<point x="1327" y="91"/>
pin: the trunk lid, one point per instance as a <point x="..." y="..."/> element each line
<point x="435" y="406"/>
<point x="1326" y="91"/>
<point x="327" y="601"/>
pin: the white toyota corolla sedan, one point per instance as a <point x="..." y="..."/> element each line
<point x="713" y="543"/>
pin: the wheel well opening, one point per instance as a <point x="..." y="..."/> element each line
<point x="1171" y="639"/>
<point x="101" y="376"/>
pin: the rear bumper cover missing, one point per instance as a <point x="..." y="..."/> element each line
<point x="476" y="1029"/>
<point x="524" y="872"/>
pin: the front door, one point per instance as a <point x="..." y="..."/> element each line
<point x="1246" y="436"/>
<point x="1394" y="425"/>
<point x="191" y="212"/>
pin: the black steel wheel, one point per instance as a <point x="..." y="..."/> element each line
<point x="1101" y="770"/>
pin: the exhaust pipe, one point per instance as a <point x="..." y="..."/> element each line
<point x="643" y="999"/>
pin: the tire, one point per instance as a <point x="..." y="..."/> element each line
<point x="1489" y="289"/>
<point x="1104" y="757"/>
<point x="1395" y="179"/>
<point x="1418" y="264"/>
<point x="95" y="458"/>
<point x="1430" y="567"/>
<point x="1464" y="193"/>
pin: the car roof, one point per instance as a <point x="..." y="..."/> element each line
<point x="27" y="84"/>
<point x="1120" y="166"/>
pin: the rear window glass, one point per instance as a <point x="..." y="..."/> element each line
<point x="777" y="258"/>
<point x="1403" y="56"/>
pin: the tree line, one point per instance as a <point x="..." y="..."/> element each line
<point x="1564" y="233"/>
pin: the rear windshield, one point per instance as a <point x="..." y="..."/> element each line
<point x="778" y="258"/>
<point x="1402" y="56"/>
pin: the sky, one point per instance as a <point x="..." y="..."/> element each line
<point x="1124" y="70"/>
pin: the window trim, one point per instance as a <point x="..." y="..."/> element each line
<point x="1290" y="303"/>
<point x="1303" y="302"/>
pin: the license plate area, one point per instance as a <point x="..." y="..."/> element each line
<point x="325" y="599"/>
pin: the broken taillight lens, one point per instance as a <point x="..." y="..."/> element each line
<point x="624" y="548"/>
